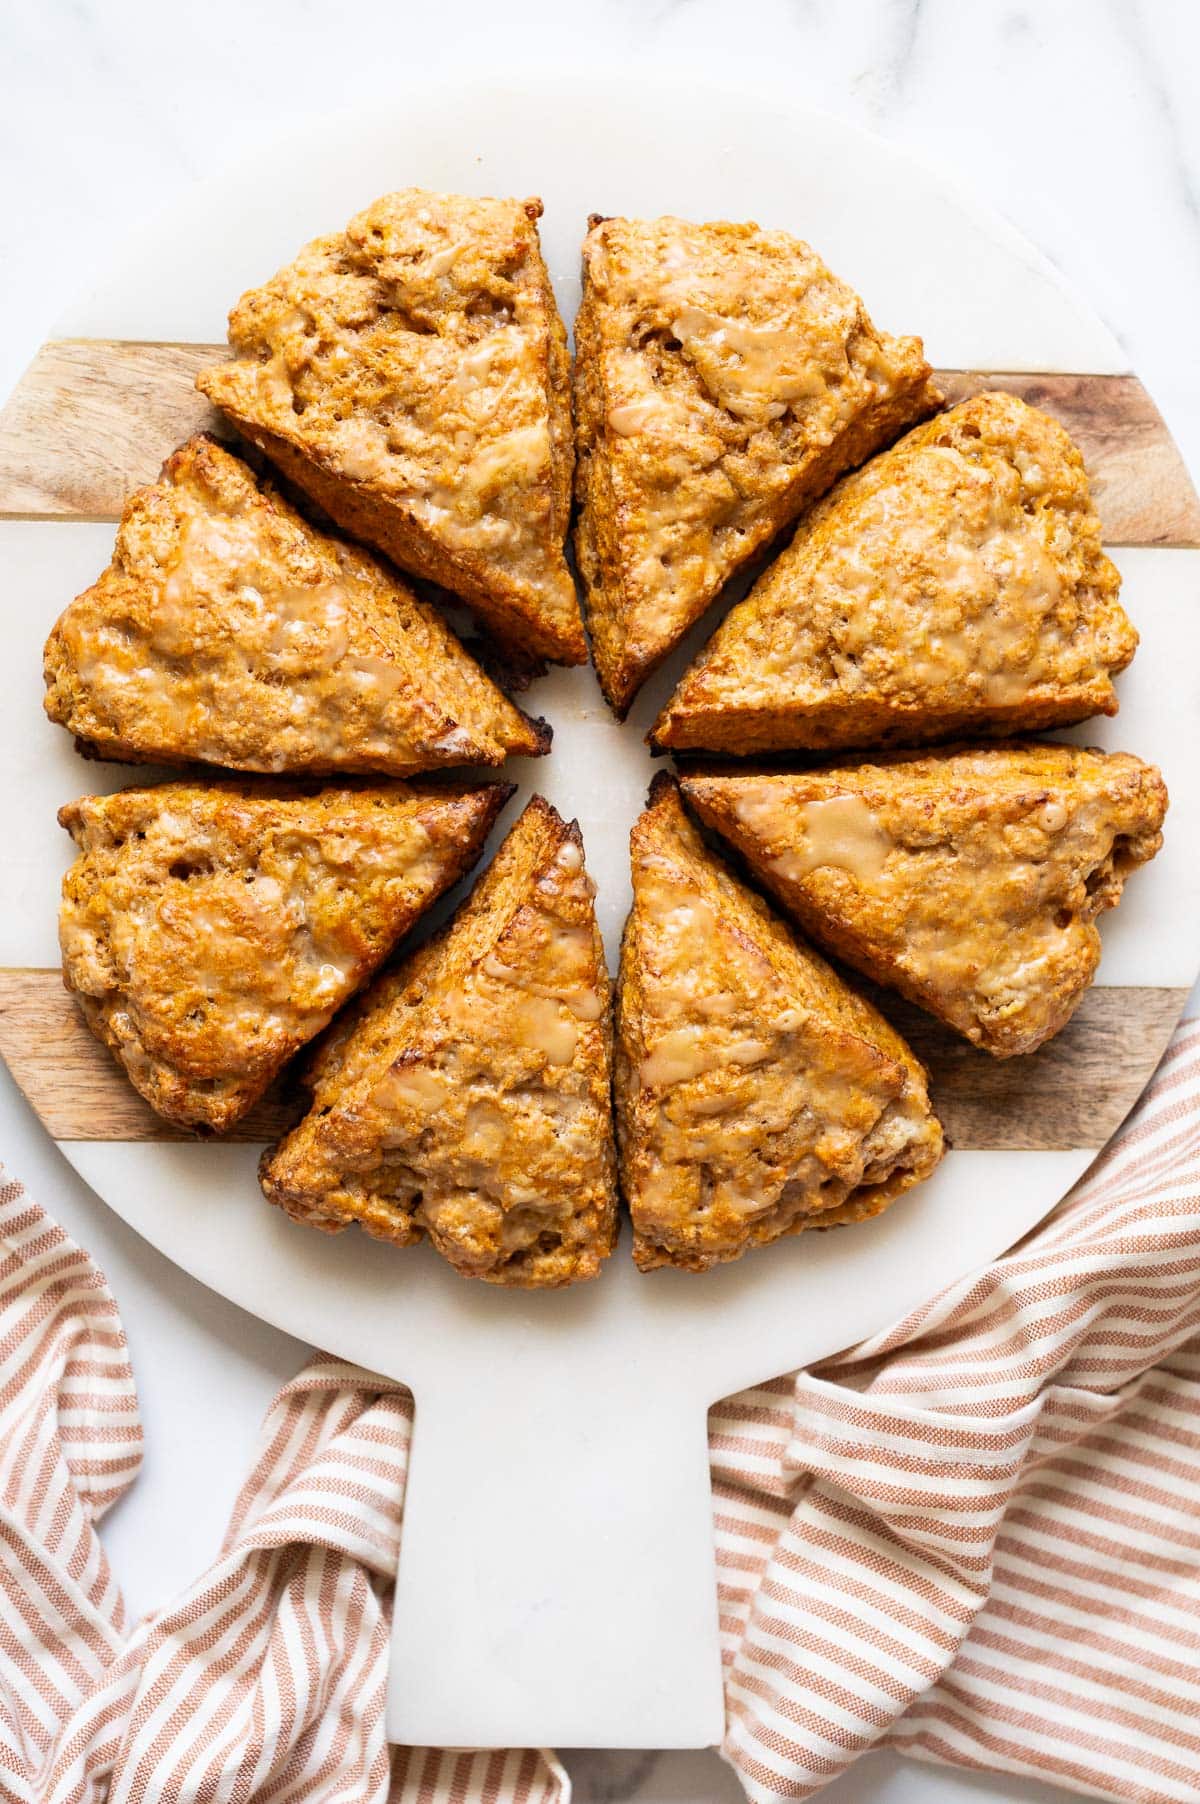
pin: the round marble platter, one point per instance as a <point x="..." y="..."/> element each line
<point x="556" y="1583"/>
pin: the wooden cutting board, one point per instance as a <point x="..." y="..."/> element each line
<point x="556" y="1580"/>
<point x="92" y="419"/>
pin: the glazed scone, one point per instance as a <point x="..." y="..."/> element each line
<point x="724" y="378"/>
<point x="955" y="585"/>
<point x="756" y="1095"/>
<point x="229" y="631"/>
<point x="209" y="931"/>
<point x="411" y="374"/>
<point x="466" y="1096"/>
<point x="968" y="880"/>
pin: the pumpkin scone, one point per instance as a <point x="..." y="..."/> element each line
<point x="756" y="1094"/>
<point x="411" y="374"/>
<point x="466" y="1095"/>
<point x="968" y="880"/>
<point x="209" y="931"/>
<point x="954" y="585"/>
<point x="229" y="631"/>
<point x="724" y="378"/>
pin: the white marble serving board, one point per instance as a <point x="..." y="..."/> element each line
<point x="556" y="1581"/>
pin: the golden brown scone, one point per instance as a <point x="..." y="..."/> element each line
<point x="411" y="374"/>
<point x="956" y="584"/>
<point x="210" y="930"/>
<point x="756" y="1095"/>
<point x="466" y="1095"/>
<point x="724" y="378"/>
<point x="968" y="880"/>
<point x="228" y="631"/>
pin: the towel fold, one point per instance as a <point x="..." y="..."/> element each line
<point x="975" y="1538"/>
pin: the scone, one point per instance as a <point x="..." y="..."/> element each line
<point x="209" y="931"/>
<point x="756" y="1095"/>
<point x="955" y="585"/>
<point x="229" y="631"/>
<point x="724" y="377"/>
<point x="466" y="1096"/>
<point x="968" y="880"/>
<point x="411" y="374"/>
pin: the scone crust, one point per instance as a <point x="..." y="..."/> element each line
<point x="466" y="1096"/>
<point x="956" y="584"/>
<point x="756" y="1094"/>
<point x="724" y="378"/>
<point x="209" y="931"/>
<point x="227" y="630"/>
<point x="968" y="880"/>
<point x="411" y="374"/>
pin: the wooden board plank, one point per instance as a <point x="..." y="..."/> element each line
<point x="75" y="1084"/>
<point x="1073" y="1093"/>
<point x="1140" y="483"/>
<point x="92" y="418"/>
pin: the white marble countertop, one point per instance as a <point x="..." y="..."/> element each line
<point x="1074" y="117"/>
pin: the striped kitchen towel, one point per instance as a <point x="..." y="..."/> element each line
<point x="975" y="1539"/>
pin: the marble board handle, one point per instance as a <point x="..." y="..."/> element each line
<point x="557" y="1581"/>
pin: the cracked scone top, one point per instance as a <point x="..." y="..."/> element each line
<point x="229" y="631"/>
<point x="411" y="374"/>
<point x="968" y="880"/>
<point x="955" y="584"/>
<point x="756" y="1094"/>
<point x="209" y="931"/>
<point x="466" y="1096"/>
<point x="724" y="378"/>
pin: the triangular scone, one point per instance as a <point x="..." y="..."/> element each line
<point x="228" y="631"/>
<point x="955" y="584"/>
<point x="210" y="931"/>
<point x="756" y="1094"/>
<point x="968" y="880"/>
<point x="411" y="374"/>
<point x="724" y="378"/>
<point x="466" y="1096"/>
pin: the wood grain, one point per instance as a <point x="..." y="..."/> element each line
<point x="75" y="1084"/>
<point x="91" y="419"/>
<point x="1140" y="483"/>
<point x="1073" y="1093"/>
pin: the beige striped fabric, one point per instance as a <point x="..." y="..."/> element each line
<point x="975" y="1539"/>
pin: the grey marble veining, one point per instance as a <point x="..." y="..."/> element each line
<point x="612" y="1778"/>
<point x="608" y="1778"/>
<point x="1077" y="119"/>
